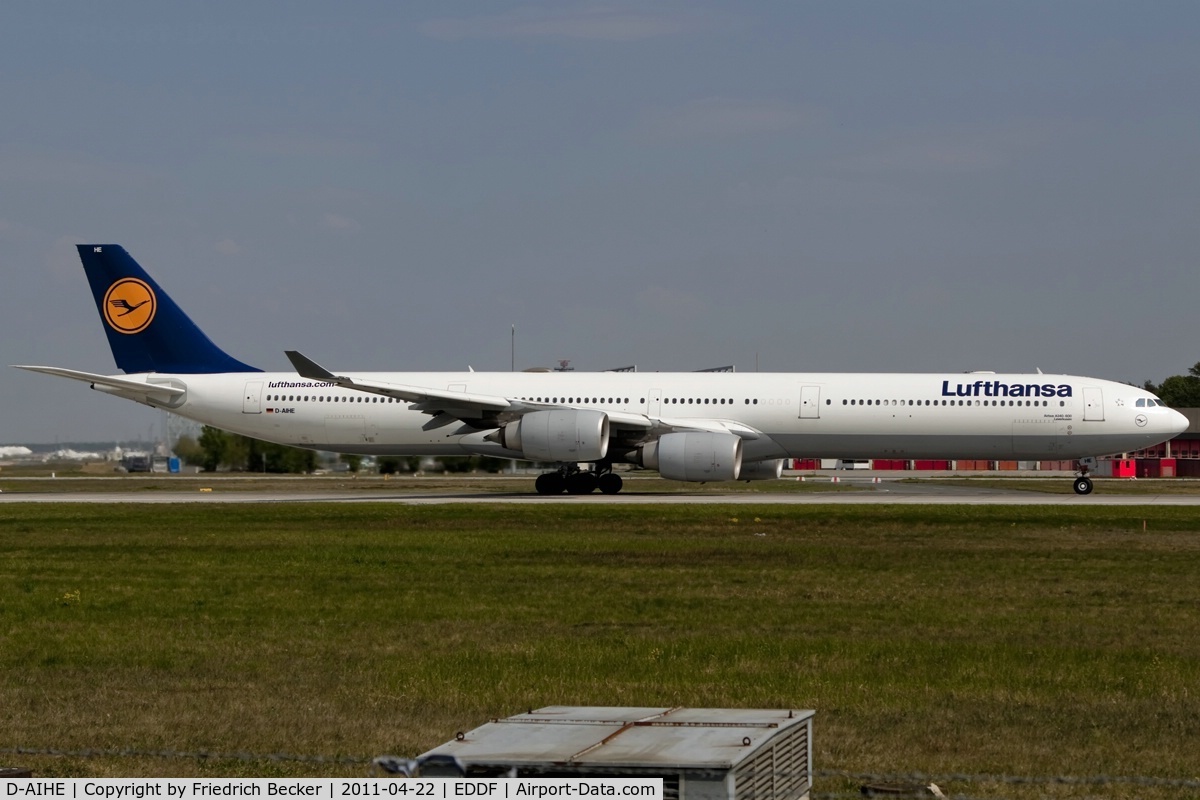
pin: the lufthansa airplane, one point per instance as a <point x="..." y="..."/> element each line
<point x="706" y="426"/>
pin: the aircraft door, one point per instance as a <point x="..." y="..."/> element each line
<point x="810" y="402"/>
<point x="252" y="398"/>
<point x="654" y="404"/>
<point x="1093" y="404"/>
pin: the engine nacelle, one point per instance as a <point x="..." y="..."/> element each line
<point x="695" y="456"/>
<point x="762" y="470"/>
<point x="560" y="435"/>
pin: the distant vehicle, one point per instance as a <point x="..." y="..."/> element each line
<point x="854" y="463"/>
<point x="707" y="426"/>
<point x="136" y="463"/>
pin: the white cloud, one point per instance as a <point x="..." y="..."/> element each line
<point x="722" y="118"/>
<point x="953" y="152"/>
<point x="62" y="260"/>
<point x="926" y="157"/>
<point x="294" y="145"/>
<point x="600" y="23"/>
<point x="670" y="302"/>
<point x="228" y="247"/>
<point x="70" y="169"/>
<point x="339" y="223"/>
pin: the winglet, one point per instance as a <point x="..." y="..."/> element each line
<point x="307" y="368"/>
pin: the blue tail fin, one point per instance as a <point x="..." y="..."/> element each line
<point x="146" y="330"/>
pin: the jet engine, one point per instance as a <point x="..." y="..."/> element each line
<point x="560" y="435"/>
<point x="694" y="456"/>
<point x="762" y="470"/>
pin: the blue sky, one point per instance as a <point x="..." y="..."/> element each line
<point x="836" y="186"/>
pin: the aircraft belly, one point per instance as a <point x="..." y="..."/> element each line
<point x="352" y="429"/>
<point x="1022" y="445"/>
<point x="762" y="449"/>
<point x="874" y="445"/>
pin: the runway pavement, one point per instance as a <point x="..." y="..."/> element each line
<point x="886" y="492"/>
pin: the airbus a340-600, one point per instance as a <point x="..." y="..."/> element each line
<point x="690" y="426"/>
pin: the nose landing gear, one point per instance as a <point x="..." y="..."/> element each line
<point x="1083" y="484"/>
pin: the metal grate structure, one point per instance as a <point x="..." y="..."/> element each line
<point x="700" y="753"/>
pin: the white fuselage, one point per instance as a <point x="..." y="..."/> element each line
<point x="826" y="415"/>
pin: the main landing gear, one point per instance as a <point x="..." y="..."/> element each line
<point x="571" y="479"/>
<point x="1083" y="484"/>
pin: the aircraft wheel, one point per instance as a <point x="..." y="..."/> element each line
<point x="610" y="483"/>
<point x="581" y="483"/>
<point x="1083" y="485"/>
<point x="549" y="483"/>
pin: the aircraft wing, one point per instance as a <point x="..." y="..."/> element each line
<point x="739" y="429"/>
<point x="447" y="407"/>
<point x="422" y="398"/>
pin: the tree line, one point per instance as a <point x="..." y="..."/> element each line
<point x="1179" y="391"/>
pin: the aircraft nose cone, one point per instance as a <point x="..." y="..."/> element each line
<point x="1179" y="423"/>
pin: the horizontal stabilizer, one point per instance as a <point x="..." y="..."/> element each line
<point x="112" y="382"/>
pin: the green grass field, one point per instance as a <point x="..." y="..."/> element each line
<point x="1002" y="640"/>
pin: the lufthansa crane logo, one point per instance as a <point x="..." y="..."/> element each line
<point x="129" y="305"/>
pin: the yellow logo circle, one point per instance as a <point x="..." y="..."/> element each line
<point x="129" y="305"/>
